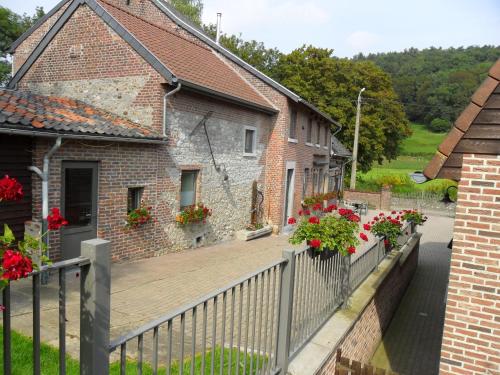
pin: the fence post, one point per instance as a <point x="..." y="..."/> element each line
<point x="285" y="311"/>
<point x="95" y="298"/>
<point x="346" y="275"/>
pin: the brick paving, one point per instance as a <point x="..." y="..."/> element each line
<point x="412" y="343"/>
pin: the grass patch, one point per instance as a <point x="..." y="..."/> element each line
<point x="422" y="142"/>
<point x="22" y="361"/>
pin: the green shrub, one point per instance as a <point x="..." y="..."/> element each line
<point x="439" y="125"/>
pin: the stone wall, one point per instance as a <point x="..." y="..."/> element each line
<point x="379" y="201"/>
<point x="361" y="340"/>
<point x="472" y="326"/>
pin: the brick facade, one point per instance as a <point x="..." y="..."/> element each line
<point x="88" y="61"/>
<point x="471" y="340"/>
<point x="379" y="201"/>
<point x="361" y="341"/>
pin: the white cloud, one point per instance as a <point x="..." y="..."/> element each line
<point x="362" y="40"/>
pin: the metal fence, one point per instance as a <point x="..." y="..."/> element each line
<point x="255" y="325"/>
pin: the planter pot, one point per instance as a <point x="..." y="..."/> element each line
<point x="247" y="235"/>
<point x="323" y="255"/>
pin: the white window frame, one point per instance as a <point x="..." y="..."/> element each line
<point x="293" y="113"/>
<point x="254" y="142"/>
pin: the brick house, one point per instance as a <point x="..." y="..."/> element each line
<point x="471" y="155"/>
<point x="158" y="112"/>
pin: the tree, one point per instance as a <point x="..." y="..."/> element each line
<point x="333" y="84"/>
<point x="192" y="9"/>
<point x="12" y="26"/>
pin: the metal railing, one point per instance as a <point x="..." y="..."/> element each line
<point x="92" y="273"/>
<point x="231" y="330"/>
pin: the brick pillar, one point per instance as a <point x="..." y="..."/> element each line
<point x="471" y="343"/>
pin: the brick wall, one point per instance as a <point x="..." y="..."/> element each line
<point x="471" y="340"/>
<point x="361" y="341"/>
<point x="380" y="201"/>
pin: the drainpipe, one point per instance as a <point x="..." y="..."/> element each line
<point x="44" y="175"/>
<point x="165" y="97"/>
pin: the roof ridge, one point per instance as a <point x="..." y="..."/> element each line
<point x="154" y="25"/>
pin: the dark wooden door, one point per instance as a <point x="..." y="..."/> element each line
<point x="78" y="205"/>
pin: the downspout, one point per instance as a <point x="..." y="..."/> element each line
<point x="165" y="97"/>
<point x="44" y="175"/>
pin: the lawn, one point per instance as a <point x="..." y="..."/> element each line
<point x="22" y="360"/>
<point x="417" y="151"/>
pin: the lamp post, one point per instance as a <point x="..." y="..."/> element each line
<point x="355" y="148"/>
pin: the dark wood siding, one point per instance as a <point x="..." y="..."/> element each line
<point x="15" y="158"/>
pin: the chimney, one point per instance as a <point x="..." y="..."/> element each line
<point x="217" y="37"/>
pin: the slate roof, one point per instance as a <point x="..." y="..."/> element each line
<point x="338" y="149"/>
<point x="23" y="111"/>
<point x="475" y="131"/>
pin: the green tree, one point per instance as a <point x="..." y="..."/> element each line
<point x="12" y="26"/>
<point x="191" y="9"/>
<point x="333" y="84"/>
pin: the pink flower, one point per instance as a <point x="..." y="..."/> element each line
<point x="366" y="227"/>
<point x="363" y="237"/>
<point x="315" y="243"/>
<point x="314" y="220"/>
<point x="291" y="220"/>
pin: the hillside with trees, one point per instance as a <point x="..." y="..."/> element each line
<point x="435" y="84"/>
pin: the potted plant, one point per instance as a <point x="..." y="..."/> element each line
<point x="328" y="231"/>
<point x="139" y="216"/>
<point x="197" y="213"/>
<point x="387" y="227"/>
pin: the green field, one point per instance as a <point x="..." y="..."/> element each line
<point x="417" y="151"/>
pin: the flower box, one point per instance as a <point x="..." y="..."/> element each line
<point x="247" y="235"/>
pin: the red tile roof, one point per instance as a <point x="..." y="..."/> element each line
<point x="27" y="111"/>
<point x="188" y="61"/>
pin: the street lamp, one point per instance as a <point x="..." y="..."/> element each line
<point x="355" y="148"/>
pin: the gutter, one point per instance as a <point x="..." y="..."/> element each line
<point x="165" y="97"/>
<point x="34" y="133"/>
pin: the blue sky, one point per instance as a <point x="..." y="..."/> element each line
<point x="348" y="26"/>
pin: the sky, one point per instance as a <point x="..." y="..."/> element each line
<point x="347" y="26"/>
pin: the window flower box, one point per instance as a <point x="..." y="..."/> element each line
<point x="197" y="213"/>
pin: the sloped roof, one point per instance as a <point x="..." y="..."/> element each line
<point x="50" y="115"/>
<point x="476" y="130"/>
<point x="338" y="149"/>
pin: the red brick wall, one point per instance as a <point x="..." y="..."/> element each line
<point x="471" y="340"/>
<point x="361" y="341"/>
<point x="381" y="201"/>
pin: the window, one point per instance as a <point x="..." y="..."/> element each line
<point x="326" y="137"/>
<point x="134" y="197"/>
<point x="250" y="140"/>
<point x="315" y="180"/>
<point x="318" y="133"/>
<point x="293" y="124"/>
<point x="188" y="188"/>
<point x="305" y="182"/>
<point x="321" y="182"/>
<point x="309" y="130"/>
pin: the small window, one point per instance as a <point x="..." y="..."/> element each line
<point x="188" y="188"/>
<point x="250" y="140"/>
<point x="309" y="130"/>
<point x="326" y="136"/>
<point x="134" y="197"/>
<point x="293" y="124"/>
<point x="318" y="134"/>
<point x="315" y="180"/>
<point x="307" y="172"/>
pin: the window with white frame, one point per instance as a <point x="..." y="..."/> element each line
<point x="293" y="124"/>
<point x="188" y="188"/>
<point x="250" y="140"/>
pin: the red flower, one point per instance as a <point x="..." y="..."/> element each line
<point x="345" y="212"/>
<point x="307" y="212"/>
<point x="393" y="212"/>
<point x="354" y="218"/>
<point x="315" y="243"/>
<point x="386" y="242"/>
<point x="351" y="249"/>
<point x="330" y="208"/>
<point x="375" y="218"/>
<point x="55" y="220"/>
<point x="291" y="220"/>
<point x="363" y="237"/>
<point x="15" y="265"/>
<point x="366" y="227"/>
<point x="314" y="220"/>
<point x="381" y="214"/>
<point x="301" y="212"/>
<point x="317" y="207"/>
<point x="10" y="189"/>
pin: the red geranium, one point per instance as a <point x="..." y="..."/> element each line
<point x="315" y="243"/>
<point x="10" y="189"/>
<point x="386" y="242"/>
<point x="345" y="212"/>
<point x="314" y="220"/>
<point x="15" y="265"/>
<point x="317" y="207"/>
<point x="366" y="227"/>
<point x="291" y="220"/>
<point x="301" y="212"/>
<point x="55" y="220"/>
<point x="307" y="212"/>
<point x="330" y="208"/>
<point x="351" y="249"/>
<point x="363" y="237"/>
<point x="354" y="218"/>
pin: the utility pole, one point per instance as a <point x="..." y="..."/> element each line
<point x="355" y="148"/>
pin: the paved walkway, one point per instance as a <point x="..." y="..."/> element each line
<point x="412" y="343"/>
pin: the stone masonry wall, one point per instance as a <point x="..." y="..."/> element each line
<point x="361" y="341"/>
<point x="109" y="75"/>
<point x="471" y="343"/>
